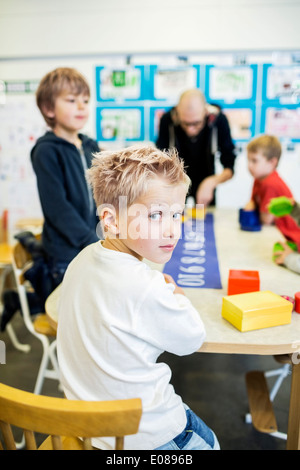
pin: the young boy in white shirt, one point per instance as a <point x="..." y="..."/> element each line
<point x="117" y="315"/>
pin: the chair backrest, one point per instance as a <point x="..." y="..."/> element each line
<point x="61" y="417"/>
<point x="21" y="255"/>
<point x="20" y="260"/>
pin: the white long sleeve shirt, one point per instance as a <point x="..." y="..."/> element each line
<point x="116" y="316"/>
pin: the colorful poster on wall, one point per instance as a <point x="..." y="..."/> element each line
<point x="168" y="83"/>
<point x="282" y="122"/>
<point x="241" y="122"/>
<point x="120" y="123"/>
<point x="281" y="84"/>
<point x="230" y="84"/>
<point x="156" y="113"/>
<point x="122" y="83"/>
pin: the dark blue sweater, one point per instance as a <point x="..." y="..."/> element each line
<point x="69" y="224"/>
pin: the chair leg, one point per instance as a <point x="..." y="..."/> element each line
<point x="53" y="358"/>
<point x="16" y="343"/>
<point x="48" y="356"/>
<point x="21" y="444"/>
<point x="282" y="373"/>
<point x="44" y="371"/>
<point x="40" y="377"/>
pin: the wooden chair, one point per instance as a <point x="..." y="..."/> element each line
<point x="39" y="325"/>
<point x="68" y="418"/>
<point x="260" y="399"/>
<point x="5" y="278"/>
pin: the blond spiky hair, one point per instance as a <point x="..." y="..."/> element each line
<point x="127" y="172"/>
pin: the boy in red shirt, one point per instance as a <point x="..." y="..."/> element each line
<point x="263" y="156"/>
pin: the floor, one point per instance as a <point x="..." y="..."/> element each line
<point x="213" y="385"/>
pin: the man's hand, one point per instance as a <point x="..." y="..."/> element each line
<point x="205" y="191"/>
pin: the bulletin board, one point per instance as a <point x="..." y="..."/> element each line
<point x="281" y="96"/>
<point x="258" y="91"/>
<point x="256" y="96"/>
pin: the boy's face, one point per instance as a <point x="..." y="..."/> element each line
<point x="71" y="112"/>
<point x="259" y="166"/>
<point x="154" y="221"/>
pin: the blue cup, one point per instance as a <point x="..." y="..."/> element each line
<point x="249" y="220"/>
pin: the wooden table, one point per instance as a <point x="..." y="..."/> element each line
<point x="238" y="249"/>
<point x="5" y="253"/>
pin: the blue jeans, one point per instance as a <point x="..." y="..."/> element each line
<point x="195" y="436"/>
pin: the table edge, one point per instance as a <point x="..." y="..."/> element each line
<point x="255" y="349"/>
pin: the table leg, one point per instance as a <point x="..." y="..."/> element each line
<point x="293" y="435"/>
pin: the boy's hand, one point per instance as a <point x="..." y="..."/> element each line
<point x="266" y="218"/>
<point x="279" y="256"/>
<point x="170" y="280"/>
<point x="250" y="206"/>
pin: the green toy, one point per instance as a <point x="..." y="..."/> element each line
<point x="278" y="247"/>
<point x="280" y="206"/>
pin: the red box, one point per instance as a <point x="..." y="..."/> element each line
<point x="297" y="302"/>
<point x="240" y="282"/>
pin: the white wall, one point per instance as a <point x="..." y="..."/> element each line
<point x="43" y="28"/>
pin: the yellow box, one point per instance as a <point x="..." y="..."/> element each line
<point x="255" y="310"/>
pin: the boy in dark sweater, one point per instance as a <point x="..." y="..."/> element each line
<point x="60" y="159"/>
